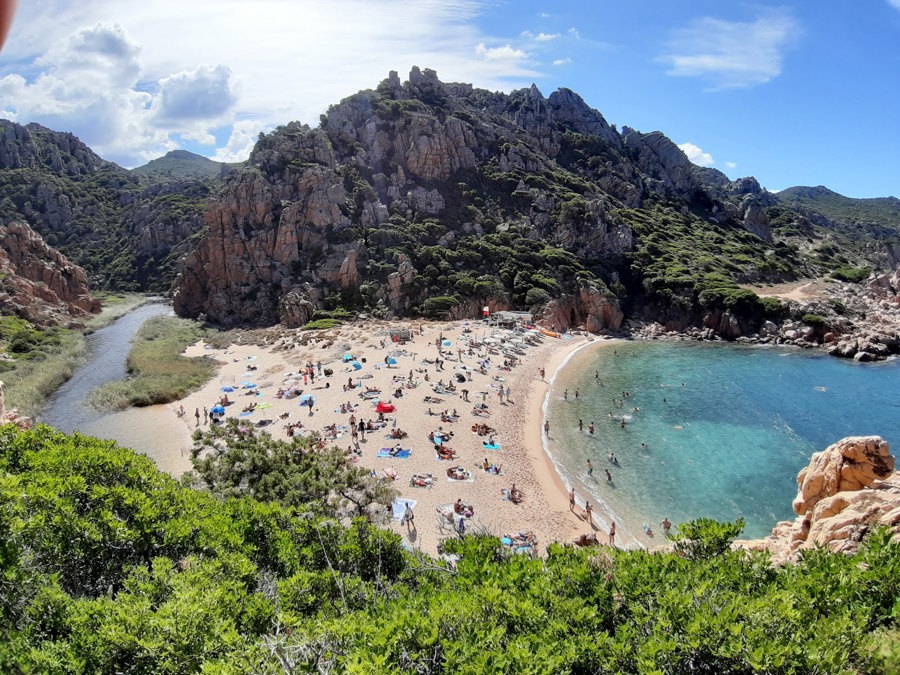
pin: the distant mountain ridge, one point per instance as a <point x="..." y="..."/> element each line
<point x="836" y="207"/>
<point x="178" y="164"/>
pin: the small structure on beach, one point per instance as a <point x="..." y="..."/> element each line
<point x="510" y="319"/>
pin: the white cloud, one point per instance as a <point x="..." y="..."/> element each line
<point x="730" y="165"/>
<point x="504" y="53"/>
<point x="240" y="143"/>
<point x="131" y="78"/>
<point x="201" y="94"/>
<point x="696" y="154"/>
<point x="732" y="54"/>
<point x="561" y="62"/>
<point x="574" y="33"/>
<point x="546" y="37"/>
<point x="894" y="3"/>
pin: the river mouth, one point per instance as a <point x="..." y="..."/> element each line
<point x="153" y="431"/>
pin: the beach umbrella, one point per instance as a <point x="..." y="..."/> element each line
<point x="391" y="360"/>
<point x="248" y="385"/>
<point x="218" y="410"/>
<point x="384" y="407"/>
<point x="356" y="365"/>
<point x="307" y="399"/>
<point x="227" y="389"/>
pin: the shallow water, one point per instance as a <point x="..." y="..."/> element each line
<point x="720" y="430"/>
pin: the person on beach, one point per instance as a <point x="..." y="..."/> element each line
<point x="197" y="416"/>
<point x="590" y="468"/>
<point x="205" y="415"/>
<point x="591" y="428"/>
<point x="566" y="395"/>
<point x="580" y="425"/>
<point x="666" y="525"/>
<point x="589" y="514"/>
<point x="608" y="476"/>
<point x="576" y="394"/>
<point x="572" y="500"/>
<point x="612" y="534"/>
<point x="546" y="427"/>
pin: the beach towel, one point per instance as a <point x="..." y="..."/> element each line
<point x="491" y="446"/>
<point x="386" y="452"/>
<point x="245" y="414"/>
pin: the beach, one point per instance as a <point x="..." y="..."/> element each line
<point x="506" y="379"/>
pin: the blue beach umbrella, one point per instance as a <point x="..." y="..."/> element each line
<point x="391" y="360"/>
<point x="356" y="365"/>
<point x="307" y="399"/>
<point x="227" y="389"/>
<point x="248" y="385"/>
<point x="218" y="410"/>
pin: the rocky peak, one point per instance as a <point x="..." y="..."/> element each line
<point x="36" y="147"/>
<point x="667" y="168"/>
<point x="570" y="110"/>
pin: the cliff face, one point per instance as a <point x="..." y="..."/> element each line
<point x="38" y="283"/>
<point x="324" y="217"/>
<point x="847" y="489"/>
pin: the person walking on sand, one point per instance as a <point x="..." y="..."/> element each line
<point x="410" y="517"/>
<point x="546" y="427"/>
<point x="197" y="415"/>
<point x="572" y="500"/>
<point x="612" y="534"/>
<point x="589" y="514"/>
<point x="205" y="415"/>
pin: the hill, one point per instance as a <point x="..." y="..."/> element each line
<point x="436" y="199"/>
<point x="883" y="211"/>
<point x="126" y="231"/>
<point x="178" y="164"/>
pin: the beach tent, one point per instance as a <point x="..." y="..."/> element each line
<point x="356" y="365"/>
<point x="384" y="407"/>
<point x="227" y="389"/>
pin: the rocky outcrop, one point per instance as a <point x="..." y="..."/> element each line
<point x="38" y="283"/>
<point x="592" y="309"/>
<point x="844" y="492"/>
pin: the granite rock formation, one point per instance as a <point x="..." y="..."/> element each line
<point x="38" y="283"/>
<point x="844" y="492"/>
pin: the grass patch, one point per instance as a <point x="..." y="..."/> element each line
<point x="321" y="324"/>
<point x="158" y="372"/>
<point x="31" y="380"/>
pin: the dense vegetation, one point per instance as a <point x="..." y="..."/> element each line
<point x="108" y="566"/>
<point x="179" y="164"/>
<point x="157" y="370"/>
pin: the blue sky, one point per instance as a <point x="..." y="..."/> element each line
<point x="793" y="93"/>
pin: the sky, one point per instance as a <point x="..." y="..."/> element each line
<point x="797" y="92"/>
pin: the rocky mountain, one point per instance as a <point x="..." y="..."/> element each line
<point x="181" y="164"/>
<point x="38" y="283"/>
<point x="126" y="231"/>
<point x="440" y="198"/>
<point x="435" y="199"/>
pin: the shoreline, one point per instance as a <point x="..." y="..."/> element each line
<point x="517" y="421"/>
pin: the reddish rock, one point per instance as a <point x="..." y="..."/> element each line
<point x="39" y="283"/>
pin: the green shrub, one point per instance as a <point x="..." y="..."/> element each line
<point x="321" y="324"/>
<point x="439" y="307"/>
<point x="814" y="320"/>
<point x="851" y="274"/>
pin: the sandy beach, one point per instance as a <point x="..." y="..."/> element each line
<point x="367" y="367"/>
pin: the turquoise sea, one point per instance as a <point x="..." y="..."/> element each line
<point x="720" y="430"/>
